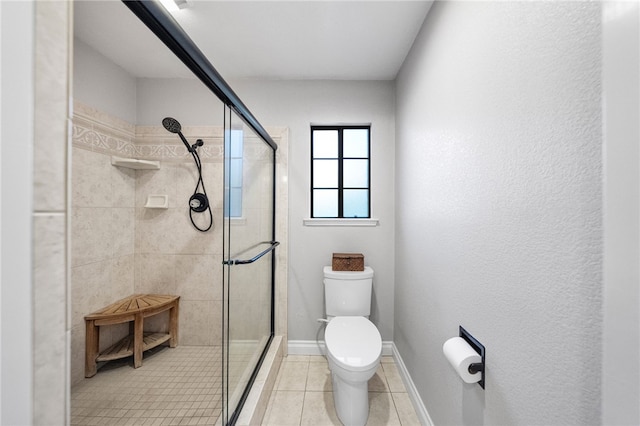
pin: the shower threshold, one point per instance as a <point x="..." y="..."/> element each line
<point x="255" y="404"/>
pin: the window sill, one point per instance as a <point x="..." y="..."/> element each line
<point x="340" y="222"/>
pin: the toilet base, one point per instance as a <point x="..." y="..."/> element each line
<point x="351" y="401"/>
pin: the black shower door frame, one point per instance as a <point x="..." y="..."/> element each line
<point x="167" y="29"/>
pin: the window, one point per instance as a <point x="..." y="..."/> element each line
<point x="340" y="172"/>
<point x="233" y="175"/>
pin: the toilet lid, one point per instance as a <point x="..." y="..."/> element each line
<point x="353" y="341"/>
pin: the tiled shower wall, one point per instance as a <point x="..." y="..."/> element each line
<point x="102" y="225"/>
<point x="119" y="247"/>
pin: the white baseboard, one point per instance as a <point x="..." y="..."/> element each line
<point x="412" y="391"/>
<point x="317" y="347"/>
<point x="305" y="347"/>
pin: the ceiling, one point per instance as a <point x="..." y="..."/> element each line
<point x="291" y="40"/>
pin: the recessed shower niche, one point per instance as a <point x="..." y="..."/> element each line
<point x="134" y="229"/>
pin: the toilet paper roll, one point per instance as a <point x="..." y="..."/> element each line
<point x="460" y="355"/>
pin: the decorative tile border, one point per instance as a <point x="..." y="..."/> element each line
<point x="93" y="140"/>
<point x="155" y="143"/>
<point x="98" y="131"/>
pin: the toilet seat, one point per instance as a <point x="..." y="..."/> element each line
<point x="353" y="342"/>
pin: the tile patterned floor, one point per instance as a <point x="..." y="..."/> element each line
<point x="179" y="386"/>
<point x="182" y="386"/>
<point x="303" y="396"/>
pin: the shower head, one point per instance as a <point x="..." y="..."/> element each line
<point x="173" y="126"/>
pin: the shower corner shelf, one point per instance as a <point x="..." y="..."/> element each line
<point x="133" y="163"/>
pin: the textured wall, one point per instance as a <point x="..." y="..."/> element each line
<point x="498" y="209"/>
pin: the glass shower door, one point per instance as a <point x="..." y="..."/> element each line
<point x="248" y="258"/>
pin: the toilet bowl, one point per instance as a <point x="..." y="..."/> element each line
<point x="354" y="347"/>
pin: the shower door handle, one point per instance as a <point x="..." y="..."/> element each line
<point x="272" y="246"/>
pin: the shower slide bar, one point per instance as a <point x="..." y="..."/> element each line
<point x="272" y="246"/>
<point x="167" y="29"/>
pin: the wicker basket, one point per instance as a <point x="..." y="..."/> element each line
<point x="347" y="262"/>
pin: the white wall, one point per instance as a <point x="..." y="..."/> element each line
<point x="17" y="88"/>
<point x="499" y="209"/>
<point x="297" y="104"/>
<point x="621" y="295"/>
<point x="99" y="82"/>
<point x="187" y="100"/>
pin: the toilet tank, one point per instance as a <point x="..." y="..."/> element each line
<point x="347" y="293"/>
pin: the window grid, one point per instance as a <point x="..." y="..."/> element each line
<point x="340" y="158"/>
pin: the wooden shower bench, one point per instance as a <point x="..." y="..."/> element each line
<point x="133" y="309"/>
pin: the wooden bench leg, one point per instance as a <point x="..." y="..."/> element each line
<point x="173" y="325"/>
<point x="138" y="340"/>
<point x="92" y="344"/>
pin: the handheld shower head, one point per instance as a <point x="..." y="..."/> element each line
<point x="173" y="126"/>
<point x="198" y="202"/>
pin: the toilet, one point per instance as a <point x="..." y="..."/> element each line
<point x="353" y="343"/>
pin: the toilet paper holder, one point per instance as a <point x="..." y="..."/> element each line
<point x="478" y="347"/>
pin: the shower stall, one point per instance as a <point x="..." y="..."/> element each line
<point x="248" y="220"/>
<point x="191" y="212"/>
